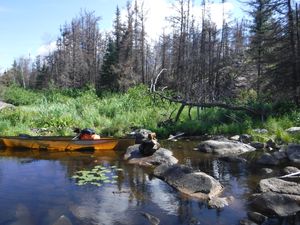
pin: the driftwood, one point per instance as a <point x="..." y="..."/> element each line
<point x="184" y="102"/>
<point x="290" y="175"/>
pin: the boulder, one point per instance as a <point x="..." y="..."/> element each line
<point x="268" y="159"/>
<point x="290" y="169"/>
<point x="224" y="147"/>
<point x="270" y="203"/>
<point x="280" y="155"/>
<point x="293" y="152"/>
<point x="161" y="156"/>
<point x="258" y="145"/>
<point x="5" y="105"/>
<point x="194" y="184"/>
<point x="293" y="130"/>
<point x="279" y="186"/>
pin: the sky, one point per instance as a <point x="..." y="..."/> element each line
<point x="30" y="27"/>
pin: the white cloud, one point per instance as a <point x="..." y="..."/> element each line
<point x="157" y="11"/>
<point x="47" y="48"/>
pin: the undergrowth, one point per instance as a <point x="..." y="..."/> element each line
<point x="57" y="112"/>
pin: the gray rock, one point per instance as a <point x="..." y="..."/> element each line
<point x="258" y="145"/>
<point x="195" y="184"/>
<point x="235" y="138"/>
<point x="293" y="130"/>
<point x="267" y="170"/>
<point x="216" y="202"/>
<point x="224" y="147"/>
<point x="261" y="131"/>
<point x="257" y="217"/>
<point x="245" y="138"/>
<point x="279" y="186"/>
<point x="280" y="155"/>
<point x="293" y="152"/>
<point x="270" y="203"/>
<point x="268" y="159"/>
<point x="290" y="169"/>
<point x="161" y="156"/>
<point x="5" y="105"/>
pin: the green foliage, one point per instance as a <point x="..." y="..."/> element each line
<point x="19" y="96"/>
<point x="116" y="114"/>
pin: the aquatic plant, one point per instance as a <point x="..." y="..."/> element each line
<point x="98" y="175"/>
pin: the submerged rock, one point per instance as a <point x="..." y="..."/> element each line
<point x="224" y="147"/>
<point x="152" y="219"/>
<point x="195" y="184"/>
<point x="161" y="156"/>
<point x="63" y="220"/>
<point x="257" y="217"/>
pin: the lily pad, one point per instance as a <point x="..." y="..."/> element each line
<point x="97" y="176"/>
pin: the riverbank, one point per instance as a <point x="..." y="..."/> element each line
<point x="57" y="112"/>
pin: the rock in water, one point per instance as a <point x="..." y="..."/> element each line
<point x="195" y="184"/>
<point x="224" y="147"/>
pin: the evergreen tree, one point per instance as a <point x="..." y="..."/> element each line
<point x="109" y="78"/>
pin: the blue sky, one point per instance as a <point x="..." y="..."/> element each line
<point x="26" y="25"/>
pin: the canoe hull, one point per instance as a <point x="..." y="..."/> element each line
<point x="59" y="143"/>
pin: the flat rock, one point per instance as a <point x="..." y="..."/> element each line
<point x="279" y="186"/>
<point x="161" y="156"/>
<point x="223" y="147"/>
<point x="270" y="203"/>
<point x="195" y="184"/>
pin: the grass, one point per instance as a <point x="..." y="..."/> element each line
<point x="116" y="114"/>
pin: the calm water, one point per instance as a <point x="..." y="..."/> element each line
<point x="38" y="188"/>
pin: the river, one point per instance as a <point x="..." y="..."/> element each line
<point x="37" y="188"/>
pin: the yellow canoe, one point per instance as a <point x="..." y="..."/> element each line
<point x="54" y="143"/>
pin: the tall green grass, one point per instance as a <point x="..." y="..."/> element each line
<point x="115" y="114"/>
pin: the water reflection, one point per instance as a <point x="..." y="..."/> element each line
<point x="36" y="188"/>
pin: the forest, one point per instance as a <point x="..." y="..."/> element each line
<point x="250" y="65"/>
